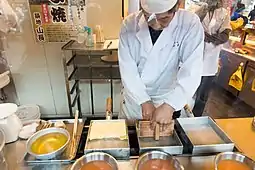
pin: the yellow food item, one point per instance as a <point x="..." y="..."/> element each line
<point x="48" y="143"/>
<point x="232" y="165"/>
<point x="108" y="130"/>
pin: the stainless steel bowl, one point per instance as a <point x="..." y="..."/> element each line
<point x="2" y="140"/>
<point x="95" y="156"/>
<point x="234" y="156"/>
<point x="44" y="132"/>
<point x="158" y="155"/>
<point x="2" y="143"/>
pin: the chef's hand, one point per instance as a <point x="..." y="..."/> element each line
<point x="162" y="115"/>
<point x="147" y="110"/>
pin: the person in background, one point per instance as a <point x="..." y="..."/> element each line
<point x="216" y="24"/>
<point x="252" y="14"/>
<point x="160" y="61"/>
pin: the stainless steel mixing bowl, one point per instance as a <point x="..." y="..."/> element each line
<point x="40" y="133"/>
<point x="2" y="140"/>
<point x="2" y="143"/>
<point x="158" y="155"/>
<point x="236" y="157"/>
<point x="95" y="156"/>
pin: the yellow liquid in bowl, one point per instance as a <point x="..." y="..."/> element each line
<point x="48" y="143"/>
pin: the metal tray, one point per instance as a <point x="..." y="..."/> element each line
<point x="119" y="149"/>
<point x="203" y="136"/>
<point x="171" y="144"/>
<point x="70" y="152"/>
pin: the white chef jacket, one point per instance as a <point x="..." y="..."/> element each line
<point x="219" y="22"/>
<point x="168" y="71"/>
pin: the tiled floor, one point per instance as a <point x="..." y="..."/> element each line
<point x="222" y="104"/>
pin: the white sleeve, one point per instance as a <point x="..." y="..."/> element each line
<point x="190" y="71"/>
<point x="130" y="77"/>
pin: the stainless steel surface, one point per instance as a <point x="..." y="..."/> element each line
<point x="2" y="140"/>
<point x="116" y="147"/>
<point x="14" y="154"/>
<point x="170" y="144"/>
<point x="214" y="139"/>
<point x="2" y="143"/>
<point x="74" y="45"/>
<point x="96" y="156"/>
<point x="70" y="151"/>
<point x="236" y="157"/>
<point x="158" y="155"/>
<point x="43" y="132"/>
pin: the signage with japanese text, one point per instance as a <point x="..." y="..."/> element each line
<point x="50" y="20"/>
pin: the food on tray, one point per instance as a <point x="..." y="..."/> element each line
<point x="108" y="129"/>
<point x="97" y="165"/>
<point x="157" y="164"/>
<point x="232" y="165"/>
<point x="48" y="143"/>
<point x="145" y="129"/>
<point x="204" y="136"/>
<point x="60" y="124"/>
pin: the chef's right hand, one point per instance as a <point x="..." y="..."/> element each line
<point x="147" y="110"/>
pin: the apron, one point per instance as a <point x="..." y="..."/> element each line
<point x="212" y="52"/>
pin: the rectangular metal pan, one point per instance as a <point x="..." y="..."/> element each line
<point x="203" y="136"/>
<point x="118" y="148"/>
<point x="170" y="144"/>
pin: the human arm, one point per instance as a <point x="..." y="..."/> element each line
<point x="130" y="77"/>
<point x="223" y="33"/>
<point x="219" y="38"/>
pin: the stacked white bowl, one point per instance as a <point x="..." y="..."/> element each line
<point x="28" y="113"/>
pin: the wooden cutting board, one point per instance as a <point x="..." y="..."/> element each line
<point x="241" y="133"/>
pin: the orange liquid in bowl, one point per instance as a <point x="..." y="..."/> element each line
<point x="232" y="165"/>
<point x="97" y="165"/>
<point x="157" y="164"/>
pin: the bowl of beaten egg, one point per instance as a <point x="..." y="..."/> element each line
<point x="233" y="161"/>
<point x="48" y="143"/>
<point x="157" y="160"/>
<point x="95" y="161"/>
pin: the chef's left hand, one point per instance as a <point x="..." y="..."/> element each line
<point x="163" y="114"/>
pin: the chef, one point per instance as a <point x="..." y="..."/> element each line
<point x="216" y="24"/>
<point x="160" y="60"/>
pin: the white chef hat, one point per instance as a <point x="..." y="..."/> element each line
<point x="158" y="6"/>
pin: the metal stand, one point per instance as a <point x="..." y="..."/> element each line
<point x="87" y="65"/>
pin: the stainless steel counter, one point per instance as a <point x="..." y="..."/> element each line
<point x="14" y="154"/>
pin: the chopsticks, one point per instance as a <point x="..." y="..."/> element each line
<point x="157" y="132"/>
<point x="108" y="113"/>
<point x="75" y="126"/>
<point x="188" y="111"/>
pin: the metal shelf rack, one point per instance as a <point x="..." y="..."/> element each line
<point x="86" y="65"/>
